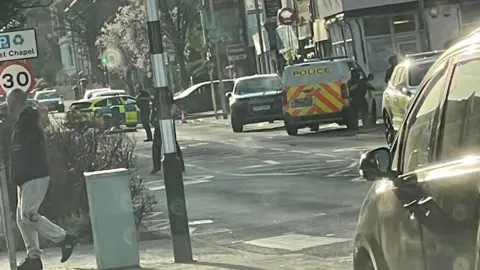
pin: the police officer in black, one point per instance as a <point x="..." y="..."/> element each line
<point x="359" y="87"/>
<point x="157" y="139"/>
<point x="143" y="103"/>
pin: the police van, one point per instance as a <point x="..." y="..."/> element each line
<point x="316" y="92"/>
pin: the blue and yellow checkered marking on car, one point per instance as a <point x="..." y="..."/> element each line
<point x="129" y="113"/>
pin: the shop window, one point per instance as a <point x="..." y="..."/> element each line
<point x="403" y="23"/>
<point x="376" y="26"/>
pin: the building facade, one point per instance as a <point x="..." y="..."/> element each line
<point x="372" y="30"/>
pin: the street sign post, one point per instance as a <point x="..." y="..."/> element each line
<point x="236" y="52"/>
<point x="17" y="45"/>
<point x="16" y="74"/>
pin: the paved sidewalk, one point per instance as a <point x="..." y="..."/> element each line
<point x="157" y="255"/>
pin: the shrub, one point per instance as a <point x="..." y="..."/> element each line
<point x="73" y="151"/>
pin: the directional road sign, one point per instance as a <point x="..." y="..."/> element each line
<point x="17" y="45"/>
<point x="16" y="74"/>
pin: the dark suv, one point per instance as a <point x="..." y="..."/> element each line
<point x="422" y="211"/>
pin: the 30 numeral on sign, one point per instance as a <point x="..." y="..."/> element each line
<point x="22" y="79"/>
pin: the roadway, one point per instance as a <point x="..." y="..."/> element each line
<point x="265" y="191"/>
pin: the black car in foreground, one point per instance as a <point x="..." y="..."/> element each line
<point x="423" y="209"/>
<point x="255" y="99"/>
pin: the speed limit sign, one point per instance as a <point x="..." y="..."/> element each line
<point x="16" y="74"/>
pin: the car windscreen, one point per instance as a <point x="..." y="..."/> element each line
<point x="417" y="72"/>
<point x="258" y="85"/>
<point x="49" y="95"/>
<point x="312" y="73"/>
<point x="80" y="105"/>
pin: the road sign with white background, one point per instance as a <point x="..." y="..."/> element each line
<point x="17" y="45"/>
<point x="16" y="74"/>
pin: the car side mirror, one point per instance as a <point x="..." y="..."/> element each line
<point x="370" y="77"/>
<point x="228" y="95"/>
<point x="375" y="164"/>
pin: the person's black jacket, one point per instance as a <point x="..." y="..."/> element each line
<point x="28" y="153"/>
<point x="143" y="103"/>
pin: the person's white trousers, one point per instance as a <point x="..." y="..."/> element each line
<point x="30" y="222"/>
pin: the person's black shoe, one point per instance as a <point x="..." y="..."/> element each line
<point x="155" y="170"/>
<point x="31" y="264"/>
<point x="67" y="245"/>
<point x="148" y="140"/>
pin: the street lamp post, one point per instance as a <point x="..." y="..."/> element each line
<point x="175" y="192"/>
<point x="219" y="68"/>
<point x="260" y="38"/>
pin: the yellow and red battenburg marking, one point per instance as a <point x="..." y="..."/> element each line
<point x="327" y="98"/>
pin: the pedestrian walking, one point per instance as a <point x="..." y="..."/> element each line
<point x="143" y="103"/>
<point x="157" y="139"/>
<point x="393" y="62"/>
<point x="29" y="172"/>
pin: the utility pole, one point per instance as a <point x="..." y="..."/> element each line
<point x="174" y="189"/>
<point x="260" y="38"/>
<point x="426" y="33"/>
<point x="219" y="68"/>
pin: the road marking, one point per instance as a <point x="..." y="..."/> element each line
<point x="299" y="152"/>
<point x="200" y="222"/>
<point x="196" y="144"/>
<point x="252" y="167"/>
<point x="143" y="155"/>
<point x="277" y="149"/>
<point x="349" y="168"/>
<point x="358" y="179"/>
<point x="324" y="155"/>
<point x="295" y="242"/>
<point x="335" y="160"/>
<point x="271" y="162"/>
<point x="196" y="180"/>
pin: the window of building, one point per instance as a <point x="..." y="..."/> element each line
<point x="70" y="56"/>
<point x="403" y="23"/>
<point x="376" y="26"/>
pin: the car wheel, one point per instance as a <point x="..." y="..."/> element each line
<point x="352" y="119"/>
<point x="292" y="129"/>
<point x="389" y="130"/>
<point x="236" y="125"/>
<point x="271" y="121"/>
<point x="314" y="127"/>
<point x="61" y="110"/>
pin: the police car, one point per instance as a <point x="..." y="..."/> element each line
<point x="403" y="85"/>
<point x="316" y="92"/>
<point x="422" y="211"/>
<point x="100" y="110"/>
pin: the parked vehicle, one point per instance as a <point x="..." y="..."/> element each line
<point x="422" y="211"/>
<point x="316" y="92"/>
<point x="89" y="93"/>
<point x="51" y="100"/>
<point x="255" y="99"/>
<point x="198" y="98"/>
<point x="108" y="93"/>
<point x="401" y="88"/>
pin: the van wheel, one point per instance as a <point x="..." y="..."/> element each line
<point x="292" y="129"/>
<point x="352" y="119"/>
<point x="314" y="127"/>
<point x="236" y="125"/>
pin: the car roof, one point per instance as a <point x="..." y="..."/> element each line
<point x="192" y="88"/>
<point x="335" y="59"/>
<point x="246" y="78"/>
<point x="46" y="91"/>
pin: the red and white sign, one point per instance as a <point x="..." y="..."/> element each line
<point x="16" y="74"/>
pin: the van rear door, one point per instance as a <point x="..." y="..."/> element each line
<point x="313" y="88"/>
